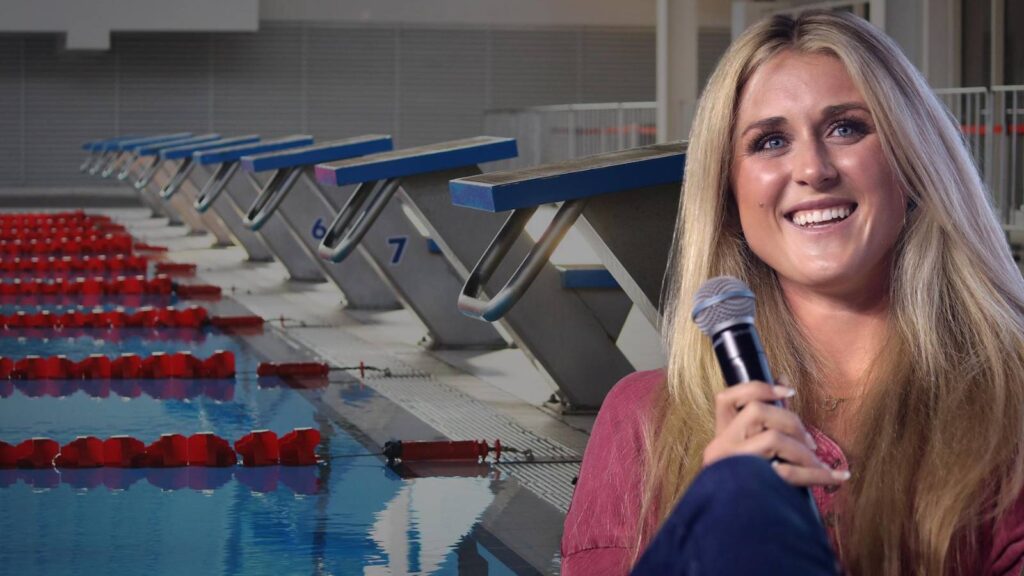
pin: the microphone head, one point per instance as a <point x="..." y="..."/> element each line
<point x="722" y="302"/>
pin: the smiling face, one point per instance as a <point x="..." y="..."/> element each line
<point x="817" y="199"/>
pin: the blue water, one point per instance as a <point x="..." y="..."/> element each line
<point x="349" y="515"/>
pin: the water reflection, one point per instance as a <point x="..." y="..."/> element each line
<point x="298" y="479"/>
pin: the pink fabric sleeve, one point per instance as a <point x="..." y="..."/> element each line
<point x="599" y="536"/>
<point x="1007" y="553"/>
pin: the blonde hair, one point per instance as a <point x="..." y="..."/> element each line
<point x="944" y="453"/>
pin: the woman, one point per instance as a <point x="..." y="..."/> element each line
<point x="824" y="173"/>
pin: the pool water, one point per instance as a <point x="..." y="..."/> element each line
<point x="349" y="515"/>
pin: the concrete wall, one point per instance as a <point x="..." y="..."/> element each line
<point x="87" y="25"/>
<point x="420" y="84"/>
<point x="505" y="13"/>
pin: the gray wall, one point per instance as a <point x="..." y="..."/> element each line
<point x="419" y="84"/>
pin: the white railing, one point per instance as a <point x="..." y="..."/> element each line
<point x="553" y="133"/>
<point x="992" y="121"/>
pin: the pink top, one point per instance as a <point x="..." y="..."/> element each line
<point x="598" y="537"/>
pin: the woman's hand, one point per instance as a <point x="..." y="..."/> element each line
<point x="747" y="423"/>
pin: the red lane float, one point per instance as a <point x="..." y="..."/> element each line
<point x="208" y="449"/>
<point x="170" y="451"/>
<point x="35" y="219"/>
<point x="176" y="268"/>
<point x="95" y="244"/>
<point x="297" y="448"/>
<point x="8" y="456"/>
<point x="159" y="365"/>
<point x="124" y="452"/>
<point x="293" y="369"/>
<point x="101" y="264"/>
<point x="98" y="286"/>
<point x="143" y="247"/>
<point x="147" y="317"/>
<point x="197" y="291"/>
<point x="82" y="286"/>
<point x="203" y="449"/>
<point x="82" y="452"/>
<point x="259" y="448"/>
<point x="45" y="232"/>
<point x="36" y="453"/>
<point x="408" y="451"/>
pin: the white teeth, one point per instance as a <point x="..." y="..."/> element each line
<point x="807" y="217"/>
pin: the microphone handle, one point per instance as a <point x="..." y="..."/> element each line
<point x="742" y="359"/>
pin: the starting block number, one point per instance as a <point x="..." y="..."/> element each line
<point x="319" y="230"/>
<point x="399" y="243"/>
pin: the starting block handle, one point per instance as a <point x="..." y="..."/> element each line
<point x="472" y="303"/>
<point x="353" y="221"/>
<point x="215" y="186"/>
<point x="148" y="173"/>
<point x="178" y="179"/>
<point x="271" y="196"/>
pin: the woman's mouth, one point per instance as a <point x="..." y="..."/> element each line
<point x="821" y="217"/>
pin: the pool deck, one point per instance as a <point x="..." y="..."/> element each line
<point x="458" y="395"/>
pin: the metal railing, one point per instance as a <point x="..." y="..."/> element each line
<point x="553" y="133"/>
<point x="992" y="121"/>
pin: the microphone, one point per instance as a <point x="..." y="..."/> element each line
<point x="724" y="310"/>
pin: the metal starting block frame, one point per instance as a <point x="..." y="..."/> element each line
<point x="222" y="163"/>
<point x="570" y="334"/>
<point x="158" y="172"/>
<point x="98" y="149"/>
<point x="124" y="152"/>
<point x="182" y="189"/>
<point x="623" y="203"/>
<point x="394" y="248"/>
<point x="121" y="152"/>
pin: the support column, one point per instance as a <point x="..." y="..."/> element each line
<point x="676" y="67"/>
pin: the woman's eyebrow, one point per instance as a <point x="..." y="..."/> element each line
<point x="766" y="124"/>
<point x="836" y="110"/>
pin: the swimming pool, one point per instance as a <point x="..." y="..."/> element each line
<point x="349" y="515"/>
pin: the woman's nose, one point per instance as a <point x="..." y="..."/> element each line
<point x="813" y="167"/>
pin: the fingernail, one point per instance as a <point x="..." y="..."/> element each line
<point x="784" y="392"/>
<point x="841" y="475"/>
<point x="810" y="441"/>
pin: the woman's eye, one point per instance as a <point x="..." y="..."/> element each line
<point x="771" y="143"/>
<point x="848" y="129"/>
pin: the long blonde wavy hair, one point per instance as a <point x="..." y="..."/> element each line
<point x="942" y="423"/>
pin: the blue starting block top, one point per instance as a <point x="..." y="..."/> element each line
<point x="187" y="150"/>
<point x="586" y="278"/>
<point x="155" y="148"/>
<point x="572" y="179"/>
<point x="106" y="143"/>
<point x="419" y="160"/>
<point x="234" y="153"/>
<point x="317" y="153"/>
<point x="133" y="144"/>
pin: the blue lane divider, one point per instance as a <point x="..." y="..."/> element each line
<point x="235" y="153"/>
<point x="187" y="150"/>
<point x="572" y="179"/>
<point x="317" y="153"/>
<point x="419" y="160"/>
<point x="586" y="277"/>
<point x="155" y="148"/>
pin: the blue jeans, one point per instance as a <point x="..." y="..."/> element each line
<point x="739" y="517"/>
